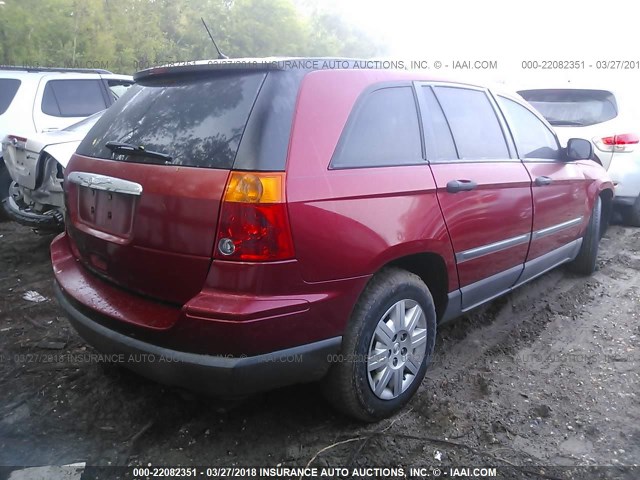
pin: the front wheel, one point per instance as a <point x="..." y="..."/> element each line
<point x="386" y="348"/>
<point x="585" y="262"/>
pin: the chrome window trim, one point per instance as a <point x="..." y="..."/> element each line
<point x="103" y="182"/>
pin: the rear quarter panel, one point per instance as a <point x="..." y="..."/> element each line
<point x="351" y="222"/>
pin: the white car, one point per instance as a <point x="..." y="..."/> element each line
<point x="36" y="166"/>
<point x="610" y="117"/>
<point x="37" y="100"/>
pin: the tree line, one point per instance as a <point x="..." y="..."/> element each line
<point x="126" y="35"/>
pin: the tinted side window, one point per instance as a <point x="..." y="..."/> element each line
<point x="382" y="131"/>
<point x="73" y="98"/>
<point x="437" y="135"/>
<point x="8" y="89"/>
<point x="473" y="122"/>
<point x="533" y="138"/>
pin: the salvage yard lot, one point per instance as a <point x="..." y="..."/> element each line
<point x="548" y="375"/>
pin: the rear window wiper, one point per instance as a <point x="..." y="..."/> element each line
<point x="140" y="151"/>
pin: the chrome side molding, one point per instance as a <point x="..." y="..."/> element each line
<point x="556" y="228"/>
<point x="512" y="242"/>
<point x="492" y="248"/>
<point x="103" y="182"/>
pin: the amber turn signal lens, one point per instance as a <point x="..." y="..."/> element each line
<point x="248" y="187"/>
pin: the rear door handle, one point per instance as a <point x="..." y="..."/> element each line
<point x="455" y="186"/>
<point x="542" y="181"/>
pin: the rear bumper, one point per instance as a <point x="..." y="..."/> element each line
<point x="273" y="311"/>
<point x="217" y="375"/>
<point x="220" y="342"/>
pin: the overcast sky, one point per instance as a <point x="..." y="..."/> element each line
<point x="507" y="31"/>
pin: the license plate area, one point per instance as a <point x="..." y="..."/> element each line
<point x="106" y="205"/>
<point x="109" y="212"/>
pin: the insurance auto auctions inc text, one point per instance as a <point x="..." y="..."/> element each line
<point x="329" y="64"/>
<point x="376" y="472"/>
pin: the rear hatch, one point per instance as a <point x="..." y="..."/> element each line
<point x="579" y="113"/>
<point x="144" y="189"/>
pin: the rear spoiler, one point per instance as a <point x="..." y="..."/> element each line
<point x="201" y="66"/>
<point x="246" y="65"/>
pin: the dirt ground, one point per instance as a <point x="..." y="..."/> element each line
<point x="546" y="376"/>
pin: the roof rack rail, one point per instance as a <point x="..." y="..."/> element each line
<point x="54" y="69"/>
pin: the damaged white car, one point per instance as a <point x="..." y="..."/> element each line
<point x="36" y="166"/>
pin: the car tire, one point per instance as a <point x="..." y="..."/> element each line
<point x="5" y="181"/>
<point x="585" y="262"/>
<point x="387" y="346"/>
<point x="631" y="214"/>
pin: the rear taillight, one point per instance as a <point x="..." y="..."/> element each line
<point x="625" y="142"/>
<point x="20" y="143"/>
<point x="254" y="223"/>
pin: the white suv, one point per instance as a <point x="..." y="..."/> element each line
<point x="610" y="117"/>
<point x="46" y="99"/>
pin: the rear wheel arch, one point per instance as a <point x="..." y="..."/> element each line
<point x="432" y="270"/>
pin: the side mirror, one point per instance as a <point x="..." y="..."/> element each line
<point x="579" y="149"/>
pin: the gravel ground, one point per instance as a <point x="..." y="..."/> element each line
<point x="544" y="377"/>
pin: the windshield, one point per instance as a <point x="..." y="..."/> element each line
<point x="573" y="107"/>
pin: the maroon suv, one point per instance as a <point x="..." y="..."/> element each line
<point x="239" y="227"/>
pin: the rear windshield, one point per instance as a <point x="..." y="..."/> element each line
<point x="573" y="107"/>
<point x="197" y="121"/>
<point x="8" y="89"/>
